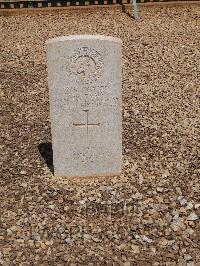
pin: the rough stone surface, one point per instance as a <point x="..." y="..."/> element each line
<point x="83" y="221"/>
<point x="84" y="76"/>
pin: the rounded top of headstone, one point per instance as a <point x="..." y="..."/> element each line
<point x="83" y="37"/>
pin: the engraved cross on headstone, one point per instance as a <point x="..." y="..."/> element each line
<point x="87" y="124"/>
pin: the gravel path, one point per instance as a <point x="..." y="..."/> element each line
<point x="150" y="214"/>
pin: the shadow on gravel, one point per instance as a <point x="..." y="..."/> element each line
<point x="46" y="151"/>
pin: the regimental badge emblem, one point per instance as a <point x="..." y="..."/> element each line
<point x="86" y="64"/>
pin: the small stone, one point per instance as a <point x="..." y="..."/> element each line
<point x="135" y="248"/>
<point x="122" y="246"/>
<point x="126" y="163"/>
<point x="191" y="223"/>
<point x="182" y="200"/>
<point x="13" y="228"/>
<point x="63" y="236"/>
<point x="137" y="195"/>
<point x="19" y="253"/>
<point x="82" y="202"/>
<point x="23" y="172"/>
<point x="181" y="262"/>
<point x="87" y="236"/>
<point x="189" y="206"/>
<point x="190" y="231"/>
<point x="177" y="225"/>
<point x="95" y="239"/>
<point x="126" y="114"/>
<point x="67" y="240"/>
<point x="159" y="189"/>
<point x="24" y="185"/>
<point x="146" y="239"/>
<point x="91" y="198"/>
<point x="175" y="215"/>
<point x="183" y="210"/>
<point x="43" y="245"/>
<point x="37" y="237"/>
<point x="37" y="244"/>
<point x="20" y="240"/>
<point x="191" y="263"/>
<point x="61" y="229"/>
<point x="164" y="242"/>
<point x="193" y="217"/>
<point x="31" y="243"/>
<point x="127" y="263"/>
<point x="134" y="167"/>
<point x="187" y="257"/>
<point x="197" y="205"/>
<point x="6" y="250"/>
<point x="171" y="263"/>
<point x="141" y="179"/>
<point x="49" y="243"/>
<point x="153" y="249"/>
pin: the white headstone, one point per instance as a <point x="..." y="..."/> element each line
<point x="84" y="77"/>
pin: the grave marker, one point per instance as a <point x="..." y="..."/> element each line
<point x="84" y="77"/>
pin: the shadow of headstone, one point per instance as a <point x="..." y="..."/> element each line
<point x="46" y="151"/>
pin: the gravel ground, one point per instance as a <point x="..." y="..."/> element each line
<point x="150" y="214"/>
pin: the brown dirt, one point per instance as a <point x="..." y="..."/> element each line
<point x="150" y="214"/>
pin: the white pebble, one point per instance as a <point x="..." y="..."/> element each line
<point x="193" y="216"/>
